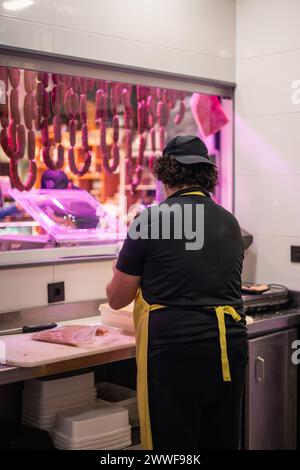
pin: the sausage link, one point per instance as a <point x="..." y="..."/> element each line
<point x="115" y="128"/>
<point x="38" y="118"/>
<point x="128" y="144"/>
<point x="101" y="105"/>
<point x="103" y="138"/>
<point x="14" y="77"/>
<point x="180" y="115"/>
<point x="76" y="84"/>
<point x="141" y="117"/>
<point x="44" y="78"/>
<point x="67" y="80"/>
<point x="153" y="139"/>
<point x="113" y="99"/>
<point x="31" y="144"/>
<point x="39" y="93"/>
<point x="151" y="107"/>
<point x="55" y="100"/>
<point x="46" y="153"/>
<point x="75" y="103"/>
<point x="83" y="85"/>
<point x="55" y="78"/>
<point x="15" y="179"/>
<point x="33" y="107"/>
<point x="29" y="81"/>
<point x="21" y="140"/>
<point x="46" y="105"/>
<point x="57" y="128"/>
<point x="111" y="167"/>
<point x="12" y="136"/>
<point x="60" y="157"/>
<point x="137" y="177"/>
<point x="72" y="131"/>
<point x="83" y="108"/>
<point x="142" y="146"/>
<point x="86" y="166"/>
<point x="14" y="105"/>
<point x="85" y="137"/>
<point x="126" y="100"/>
<point x="162" y="138"/>
<point x="28" y="111"/>
<point x="69" y="104"/>
<point x="162" y="113"/>
<point x="90" y="84"/>
<point x="45" y="133"/>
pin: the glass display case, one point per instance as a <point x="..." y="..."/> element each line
<point x="64" y="218"/>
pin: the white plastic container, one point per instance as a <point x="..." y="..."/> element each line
<point x="121" y="396"/>
<point x="103" y="438"/>
<point x="121" y="444"/>
<point x="91" y="423"/>
<point x="52" y="402"/>
<point x="50" y="388"/>
<point x="122" y="318"/>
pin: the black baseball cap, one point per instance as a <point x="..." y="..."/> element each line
<point x="187" y="149"/>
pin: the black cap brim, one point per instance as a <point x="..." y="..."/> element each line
<point x="191" y="159"/>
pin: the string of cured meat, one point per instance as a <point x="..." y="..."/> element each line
<point x="110" y="159"/>
<point x="75" y="107"/>
<point x="13" y="134"/>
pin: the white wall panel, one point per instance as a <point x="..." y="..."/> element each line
<point x="267" y="26"/>
<point x="206" y="26"/>
<point x="84" y="281"/>
<point x="103" y="48"/>
<point x="26" y="34"/>
<point x="24" y="287"/>
<point x="189" y="37"/>
<point x="265" y="84"/>
<point x="268" y="260"/>
<point x="41" y="11"/>
<point x="130" y="19"/>
<point x="267" y="145"/>
<point x="269" y="204"/>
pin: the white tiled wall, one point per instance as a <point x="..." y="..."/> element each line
<point x="267" y="197"/>
<point x="191" y="37"/>
<point x="26" y="287"/>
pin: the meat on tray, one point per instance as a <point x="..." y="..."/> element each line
<point x="71" y="335"/>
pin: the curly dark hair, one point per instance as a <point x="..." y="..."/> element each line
<point x="177" y="175"/>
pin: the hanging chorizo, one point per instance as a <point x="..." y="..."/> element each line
<point x="14" y="174"/>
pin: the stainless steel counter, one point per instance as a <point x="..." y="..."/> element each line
<point x="263" y="324"/>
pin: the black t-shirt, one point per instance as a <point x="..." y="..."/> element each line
<point x="187" y="281"/>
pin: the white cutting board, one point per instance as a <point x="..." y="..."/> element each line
<point x="22" y="351"/>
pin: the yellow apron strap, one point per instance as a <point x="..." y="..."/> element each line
<point x="193" y="193"/>
<point x="220" y="312"/>
<point x="141" y="318"/>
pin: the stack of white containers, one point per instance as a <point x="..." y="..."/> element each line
<point x="104" y="427"/>
<point x="43" y="398"/>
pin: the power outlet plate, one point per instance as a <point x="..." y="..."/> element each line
<point x="56" y="292"/>
<point x="295" y="254"/>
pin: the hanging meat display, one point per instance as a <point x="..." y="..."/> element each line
<point x="13" y="134"/>
<point x="54" y="103"/>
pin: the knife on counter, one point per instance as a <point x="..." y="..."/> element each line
<point x="28" y="329"/>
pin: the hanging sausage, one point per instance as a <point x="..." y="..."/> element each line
<point x="73" y="109"/>
<point x="110" y="160"/>
<point x="13" y="134"/>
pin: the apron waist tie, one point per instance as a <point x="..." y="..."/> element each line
<point x="220" y="312"/>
